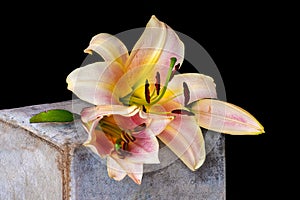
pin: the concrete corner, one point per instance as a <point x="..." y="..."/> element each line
<point x="48" y="161"/>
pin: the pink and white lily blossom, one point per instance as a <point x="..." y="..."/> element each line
<point x="139" y="97"/>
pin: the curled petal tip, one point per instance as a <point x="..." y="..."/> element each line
<point x="88" y="51"/>
<point x="226" y="118"/>
<point x="153" y="17"/>
<point x="138" y="181"/>
<point x="85" y="143"/>
<point x="261" y="130"/>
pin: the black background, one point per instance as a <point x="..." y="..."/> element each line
<point x="42" y="43"/>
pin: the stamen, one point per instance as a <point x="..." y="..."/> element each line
<point x="130" y="137"/>
<point x="177" y="67"/>
<point x="121" y="148"/>
<point x="124" y="138"/>
<point x="183" y="112"/>
<point x="125" y="146"/>
<point x="186" y="93"/>
<point x="123" y="152"/>
<point x="127" y="137"/>
<point x="147" y="91"/>
<point x="157" y="84"/>
<point x="164" y="89"/>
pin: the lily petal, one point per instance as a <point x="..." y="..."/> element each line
<point x="155" y="123"/>
<point x="158" y="122"/>
<point x="184" y="137"/>
<point x="129" y="123"/>
<point x="97" y="112"/>
<point x="114" y="170"/>
<point x="144" y="149"/>
<point x="155" y="47"/>
<point x="191" y="87"/>
<point x="95" y="82"/>
<point x="225" y="118"/>
<point x="97" y="140"/>
<point x="109" y="47"/>
<point x="133" y="170"/>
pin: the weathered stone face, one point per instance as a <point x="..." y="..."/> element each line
<point x="48" y="161"/>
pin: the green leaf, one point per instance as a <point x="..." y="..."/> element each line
<point x="54" y="115"/>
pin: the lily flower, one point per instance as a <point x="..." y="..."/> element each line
<point x="124" y="138"/>
<point x="140" y="96"/>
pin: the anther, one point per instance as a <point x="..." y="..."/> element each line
<point x="127" y="137"/>
<point x="157" y="84"/>
<point x="186" y="93"/>
<point x="176" y="69"/>
<point x="147" y="91"/>
<point x="124" y="138"/>
<point x="183" y="112"/>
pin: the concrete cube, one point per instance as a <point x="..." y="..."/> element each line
<point x="48" y="161"/>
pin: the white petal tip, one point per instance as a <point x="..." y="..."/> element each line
<point x="88" y="51"/>
<point x="138" y="181"/>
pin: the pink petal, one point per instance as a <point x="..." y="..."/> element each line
<point x="97" y="112"/>
<point x="95" y="82"/>
<point x="133" y="170"/>
<point x="131" y="122"/>
<point x="184" y="137"/>
<point x="158" y="123"/>
<point x="97" y="141"/>
<point x="167" y="104"/>
<point x="225" y="118"/>
<point x="114" y="170"/>
<point x="153" y="51"/>
<point x="109" y="47"/>
<point x="198" y="86"/>
<point x="144" y="149"/>
<point x="157" y="44"/>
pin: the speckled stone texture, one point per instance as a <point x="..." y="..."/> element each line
<point x="48" y="161"/>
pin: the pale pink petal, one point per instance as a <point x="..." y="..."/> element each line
<point x="184" y="137"/>
<point x="97" y="140"/>
<point x="167" y="104"/>
<point x="152" y="53"/>
<point x="114" y="170"/>
<point x="225" y="118"/>
<point x="95" y="82"/>
<point x="190" y="87"/>
<point x="109" y="47"/>
<point x="133" y="170"/>
<point x="131" y="122"/>
<point x="144" y="149"/>
<point x="135" y="78"/>
<point x="157" y="45"/>
<point x="99" y="143"/>
<point x="158" y="123"/>
<point x="97" y="112"/>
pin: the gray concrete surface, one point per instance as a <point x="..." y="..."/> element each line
<point x="47" y="161"/>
